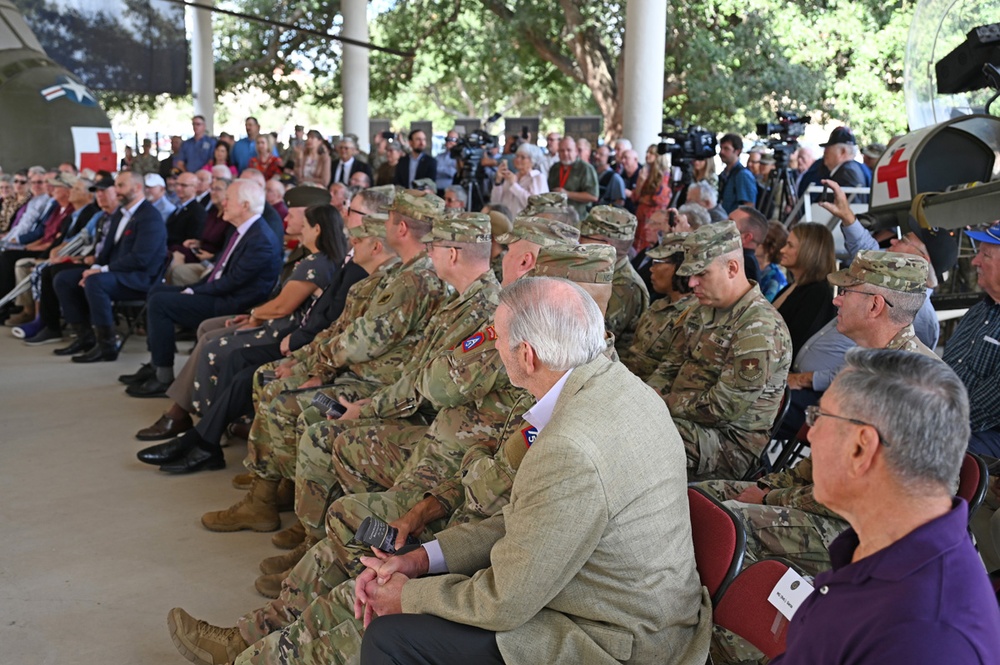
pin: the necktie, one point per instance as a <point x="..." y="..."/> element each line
<point x="221" y="263"/>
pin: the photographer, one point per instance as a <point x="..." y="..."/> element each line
<point x="513" y="187"/>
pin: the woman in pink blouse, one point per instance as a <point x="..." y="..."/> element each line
<point x="512" y="188"/>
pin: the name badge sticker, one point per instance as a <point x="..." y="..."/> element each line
<point x="788" y="594"/>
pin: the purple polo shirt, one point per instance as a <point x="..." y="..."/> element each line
<point x="923" y="600"/>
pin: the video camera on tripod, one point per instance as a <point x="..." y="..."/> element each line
<point x="779" y="191"/>
<point x="684" y="147"/>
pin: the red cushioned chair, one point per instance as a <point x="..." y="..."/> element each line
<point x="720" y="541"/>
<point x="744" y="610"/>
<point x="973" y="480"/>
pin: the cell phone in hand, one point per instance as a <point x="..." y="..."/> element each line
<point x="328" y="406"/>
<point x="378" y="534"/>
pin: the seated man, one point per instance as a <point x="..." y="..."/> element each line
<point x="526" y="586"/>
<point x="243" y="276"/>
<point x="616" y="227"/>
<point x="126" y="267"/>
<point x="725" y="379"/>
<point x="907" y="585"/>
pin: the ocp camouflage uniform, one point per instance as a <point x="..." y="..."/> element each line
<point x="655" y="335"/>
<point x="724" y="381"/>
<point x="428" y="385"/>
<point x="906" y="340"/>
<point x="371" y="347"/>
<point x="629" y="299"/>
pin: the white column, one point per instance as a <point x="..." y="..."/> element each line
<point x="203" y="64"/>
<point x="354" y="71"/>
<point x="645" y="39"/>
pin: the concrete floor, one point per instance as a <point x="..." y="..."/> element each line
<point x="95" y="546"/>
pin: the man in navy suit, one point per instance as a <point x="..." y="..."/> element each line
<point x="244" y="274"/>
<point x="125" y="268"/>
<point x="347" y="165"/>
<point x="418" y="165"/>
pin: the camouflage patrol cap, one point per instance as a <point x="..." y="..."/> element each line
<point x="669" y="245"/>
<point x="427" y="208"/>
<point x="584" y="264"/>
<point x="472" y="227"/>
<point x="425" y="184"/>
<point x="708" y="243"/>
<point x="541" y="231"/>
<point x="388" y="192"/>
<point x="546" y="201"/>
<point x="372" y="226"/>
<point x="890" y="270"/>
<point x="609" y="222"/>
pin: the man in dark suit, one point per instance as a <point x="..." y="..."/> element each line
<point x="124" y="269"/>
<point x="342" y="169"/>
<point x="244" y="273"/>
<point x="188" y="219"/>
<point x="417" y="165"/>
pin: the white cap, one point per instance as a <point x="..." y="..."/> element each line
<point x="154" y="180"/>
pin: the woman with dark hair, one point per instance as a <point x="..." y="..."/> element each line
<point x="772" y="279"/>
<point x="651" y="193"/>
<point x="322" y="232"/>
<point x="806" y="304"/>
<point x="656" y="330"/>
<point x="220" y="157"/>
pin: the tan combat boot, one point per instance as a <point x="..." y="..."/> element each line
<point x="269" y="586"/>
<point x="243" y="480"/>
<point x="276" y="564"/>
<point x="290" y="538"/>
<point x="257" y="511"/>
<point x="204" y="643"/>
<point x="285" y="498"/>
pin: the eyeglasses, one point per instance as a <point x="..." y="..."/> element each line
<point x="813" y="413"/>
<point x="37" y="182"/>
<point x="867" y="293"/>
<point x="450" y="139"/>
<point x="357" y="212"/>
<point x="20" y="182"/>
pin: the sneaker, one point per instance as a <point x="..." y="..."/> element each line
<point x="44" y="336"/>
<point x="203" y="643"/>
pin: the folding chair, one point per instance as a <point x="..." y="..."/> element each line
<point x="764" y="464"/>
<point x="720" y="541"/>
<point x="792" y="451"/>
<point x="744" y="609"/>
<point x="134" y="311"/>
<point x="973" y="480"/>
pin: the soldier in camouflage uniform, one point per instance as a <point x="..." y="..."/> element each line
<point x="499" y="225"/>
<point x="658" y="327"/>
<point x="370" y="352"/>
<point x="629" y="298"/>
<point x="724" y="380"/>
<point x="523" y="241"/>
<point x="312" y="621"/>
<point x="366" y="456"/>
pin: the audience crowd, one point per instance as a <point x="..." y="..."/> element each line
<point x="520" y="368"/>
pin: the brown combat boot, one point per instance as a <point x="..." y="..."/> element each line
<point x="204" y="643"/>
<point x="290" y="538"/>
<point x="276" y="564"/>
<point x="269" y="586"/>
<point x="243" y="481"/>
<point x="286" y="495"/>
<point x="257" y="511"/>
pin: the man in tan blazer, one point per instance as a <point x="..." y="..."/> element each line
<point x="592" y="561"/>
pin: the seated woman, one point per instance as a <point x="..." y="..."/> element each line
<point x="193" y="257"/>
<point x="194" y="388"/>
<point x="772" y="279"/>
<point x="265" y="160"/>
<point x="513" y="188"/>
<point x="807" y="303"/>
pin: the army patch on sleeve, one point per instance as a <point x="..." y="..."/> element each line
<point x="472" y="342"/>
<point x="529" y="434"/>
<point x="491" y="333"/>
<point x="750" y="370"/>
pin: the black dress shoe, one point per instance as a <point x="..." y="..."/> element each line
<point x="164" y="453"/>
<point x="100" y="352"/>
<point x="149" y="388"/>
<point x="165" y="428"/>
<point x="146" y="372"/>
<point x="81" y="344"/>
<point x="196" y="459"/>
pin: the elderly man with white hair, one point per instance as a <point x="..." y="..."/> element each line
<point x="244" y="274"/>
<point x="707" y="196"/>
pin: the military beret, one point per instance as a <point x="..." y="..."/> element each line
<point x="499" y="224"/>
<point x="541" y="231"/>
<point x="372" y="226"/>
<point x="546" y="202"/>
<point x="427" y="208"/>
<point x="473" y="227"/>
<point x="670" y="244"/>
<point x="708" y="243"/>
<point x="306" y="196"/>
<point x="609" y="222"/>
<point x="890" y="270"/>
<point x="584" y="264"/>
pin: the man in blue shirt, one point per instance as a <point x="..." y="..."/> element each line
<point x="197" y="150"/>
<point x="907" y="585"/>
<point x="737" y="185"/>
<point x="245" y="149"/>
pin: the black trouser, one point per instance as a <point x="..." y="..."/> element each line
<point x="49" y="300"/>
<point x="422" y="639"/>
<point x="235" y="399"/>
